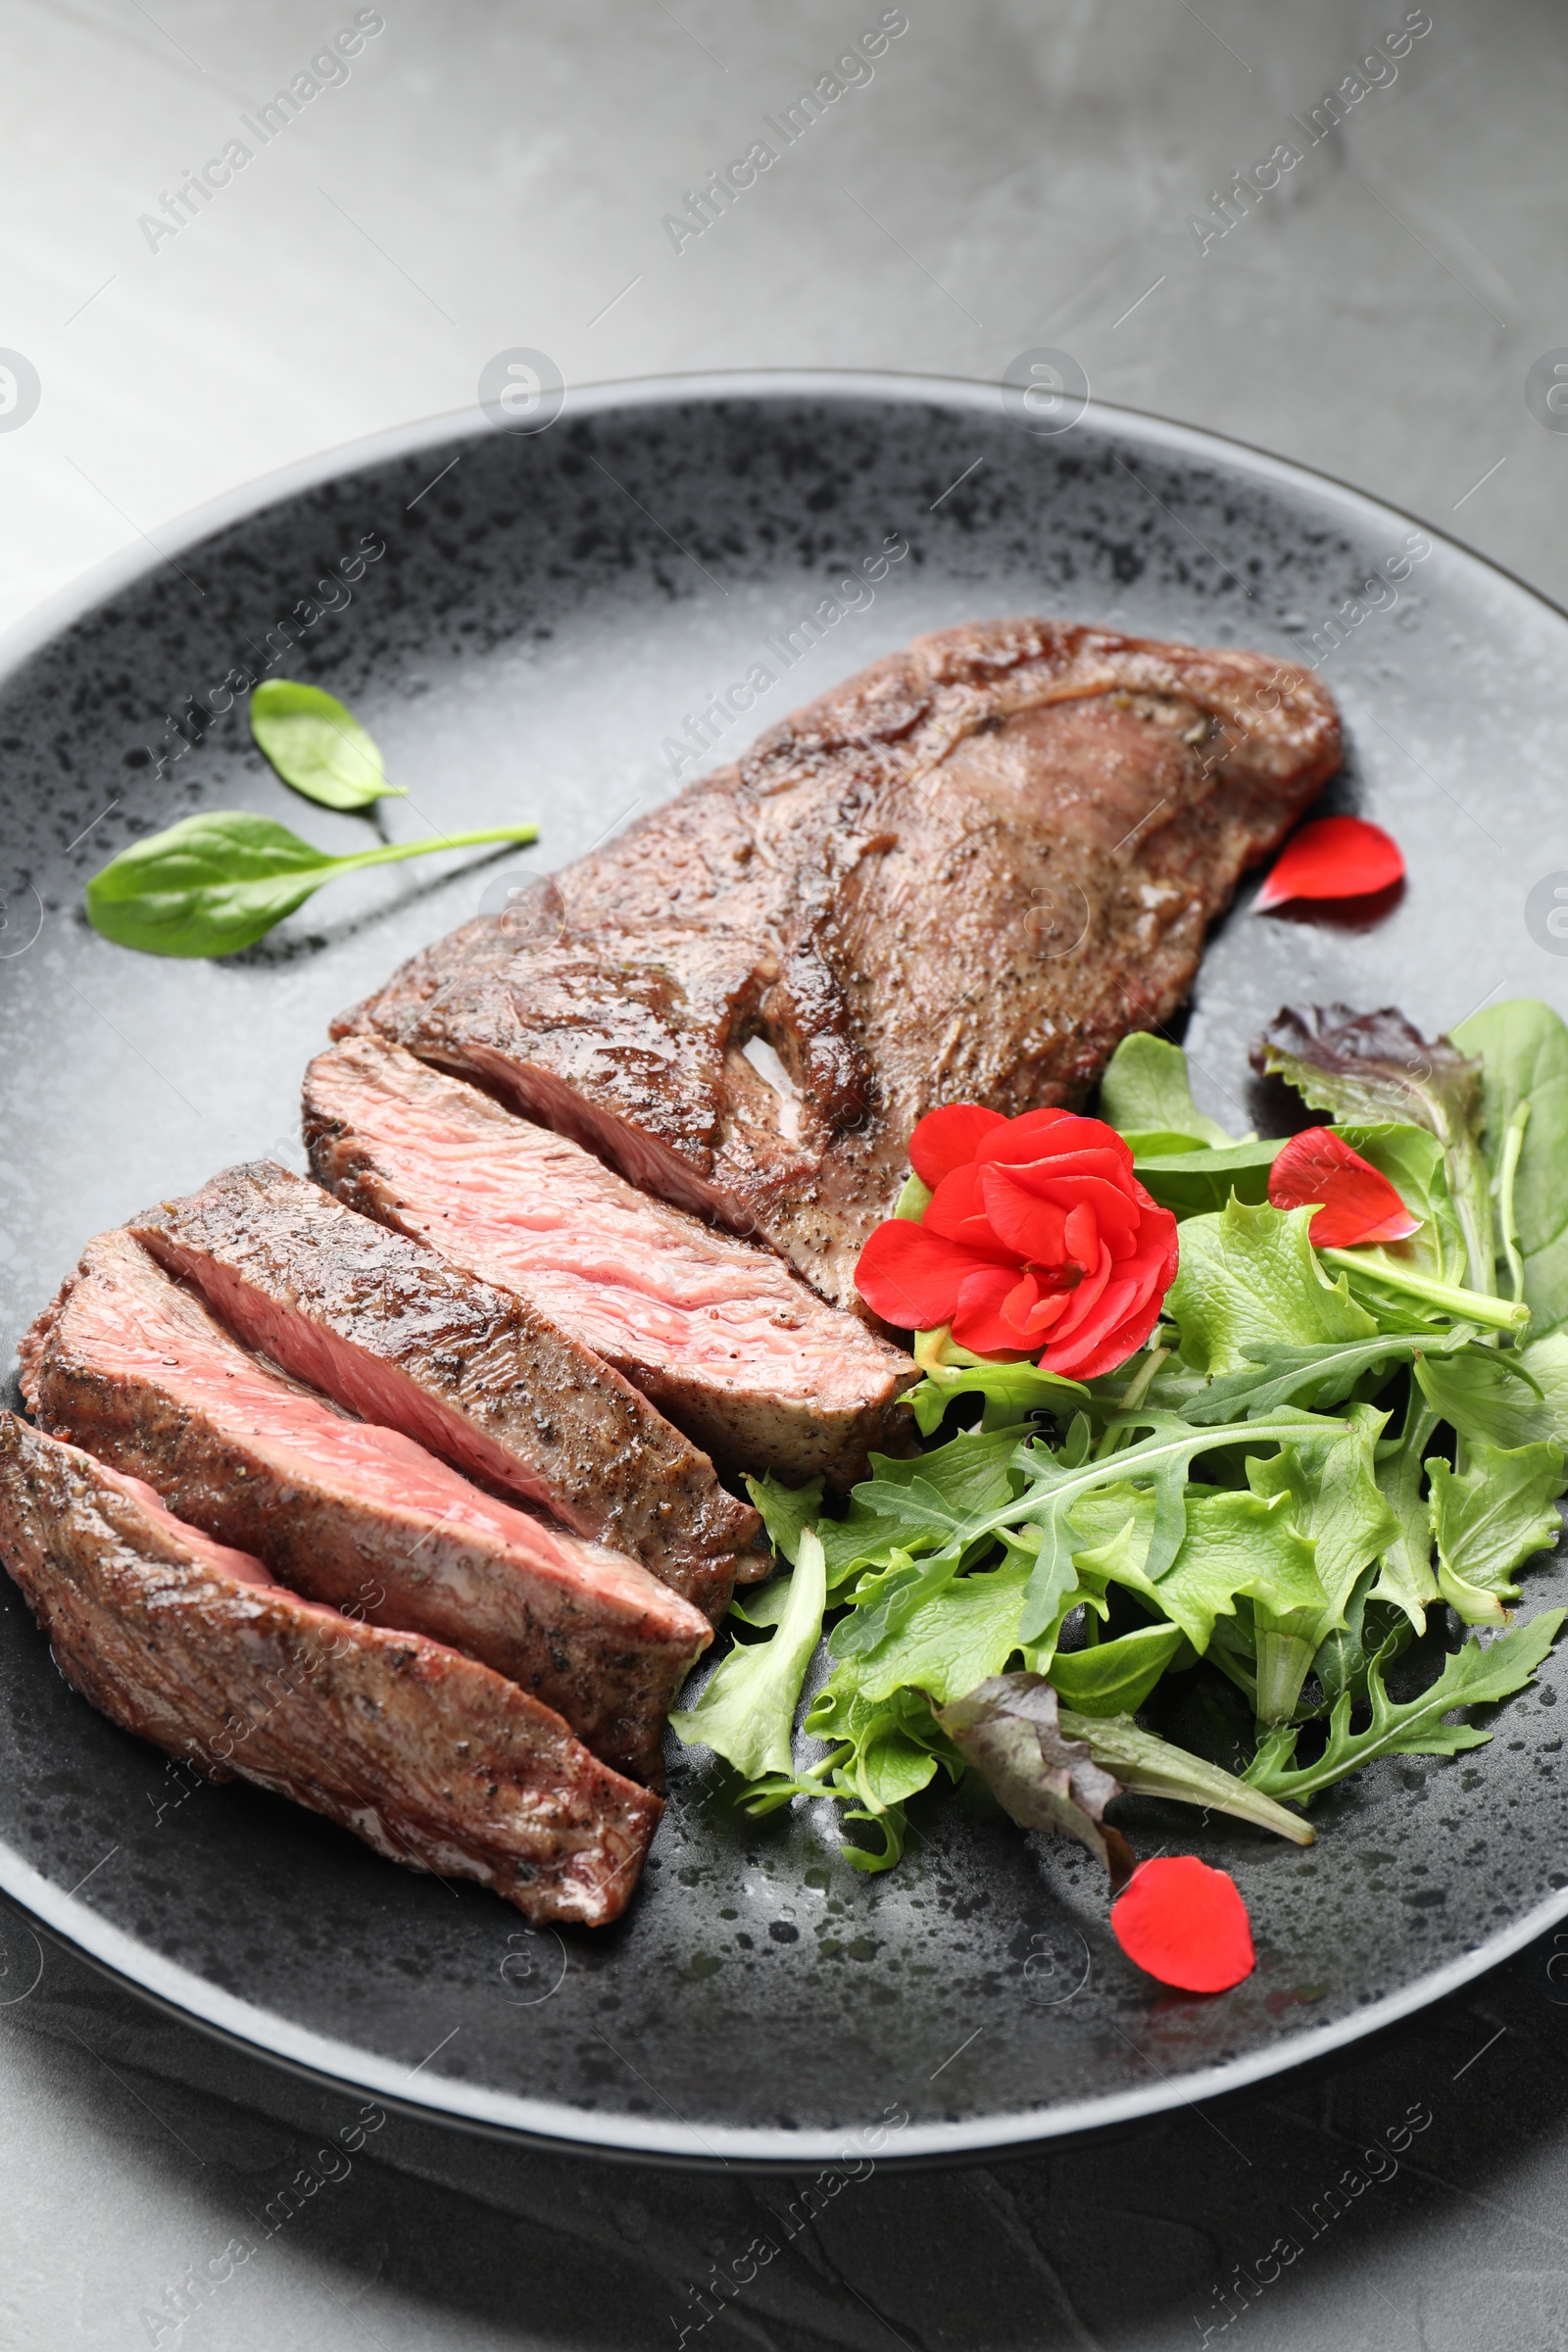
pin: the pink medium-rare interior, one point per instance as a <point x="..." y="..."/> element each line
<point x="170" y="1341"/>
<point x="521" y="1205"/>
<point x="374" y="1389"/>
<point x="240" y="1567"/>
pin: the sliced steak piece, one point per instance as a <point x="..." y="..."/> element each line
<point x="722" y="1336"/>
<point x="475" y="1375"/>
<point x="433" y="1760"/>
<point x="962" y="876"/>
<point x="134" y="1367"/>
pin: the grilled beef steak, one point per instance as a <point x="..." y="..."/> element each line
<point x="132" y="1367"/>
<point x="962" y="876"/>
<point x="476" y="1376"/>
<point x="433" y="1760"/>
<point x="722" y="1336"/>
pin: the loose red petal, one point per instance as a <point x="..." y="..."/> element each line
<point x="1187" y="1925"/>
<point x="945" y="1139"/>
<point x="1358" y="1203"/>
<point x="1337" y="858"/>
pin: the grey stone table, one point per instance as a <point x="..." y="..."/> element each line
<point x="1107" y="178"/>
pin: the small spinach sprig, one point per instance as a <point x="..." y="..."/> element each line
<point x="216" y="883"/>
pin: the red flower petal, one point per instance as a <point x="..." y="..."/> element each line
<point x="912" y="1277"/>
<point x="978" y="1321"/>
<point x="1337" y="858"/>
<point x="1187" y="1925"/>
<point x="1358" y="1203"/>
<point x="945" y="1139"/>
<point x="1040" y="1134"/>
<point x="956" y="1209"/>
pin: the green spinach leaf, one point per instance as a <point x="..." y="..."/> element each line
<point x="1523" y="1047"/>
<point x="212" y="885"/>
<point x="317" y="746"/>
<point x="1146" y="1090"/>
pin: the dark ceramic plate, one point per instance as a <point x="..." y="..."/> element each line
<point x="547" y="616"/>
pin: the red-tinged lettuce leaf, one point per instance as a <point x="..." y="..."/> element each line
<point x="1371" y="1067"/>
<point x="1008" y="1732"/>
<point x="1337" y="858"/>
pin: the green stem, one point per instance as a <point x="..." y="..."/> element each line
<point x="1512" y="1146"/>
<point x="1284" y="1661"/>
<point x="1134" y="1392"/>
<point x="1470" y="1306"/>
<point x="392" y="850"/>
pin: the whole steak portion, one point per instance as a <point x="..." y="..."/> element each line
<point x="430" y="1758"/>
<point x="133" y="1368"/>
<point x="473" y="1374"/>
<point x="963" y="876"/>
<point x="721" y="1335"/>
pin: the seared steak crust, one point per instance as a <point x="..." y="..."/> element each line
<point x="433" y="1760"/>
<point x="133" y="1368"/>
<point x="963" y="876"/>
<point x="723" y="1336"/>
<point x="474" y="1375"/>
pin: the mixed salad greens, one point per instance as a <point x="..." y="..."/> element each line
<point x="1197" y="1576"/>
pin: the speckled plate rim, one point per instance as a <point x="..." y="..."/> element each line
<point x="336" y="2064"/>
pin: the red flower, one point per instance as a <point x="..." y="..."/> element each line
<point x="1038" y="1236"/>
<point x="1187" y="1925"/>
<point x="1337" y="858"/>
<point x="1358" y="1205"/>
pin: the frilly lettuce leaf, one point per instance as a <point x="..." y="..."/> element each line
<point x="1249" y="1276"/>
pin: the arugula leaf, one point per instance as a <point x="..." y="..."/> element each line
<point x="214" y="884"/>
<point x="1322" y="1373"/>
<point x="1146" y="1090"/>
<point x="1056" y="1486"/>
<point x="1523" y="1047"/>
<point x="1374" y="1631"/>
<point x="1489" y="1519"/>
<point x="906" y="1506"/>
<point x="1476" y="1675"/>
<point x="917" y="1505"/>
<point x="1008" y="1731"/>
<point x="317" y="746"/>
<point x="1250" y="1277"/>
<point x="747" y="1708"/>
<point x="1376" y="1067"/>
<point x="1151" y="1767"/>
<point x="1189" y="1183"/>
<point x="1115" y="1678"/>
